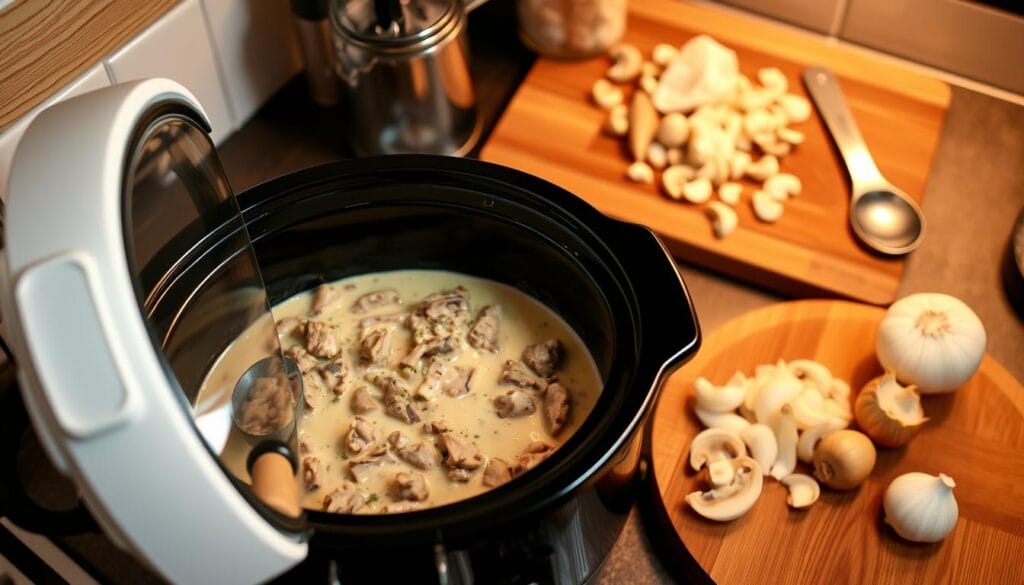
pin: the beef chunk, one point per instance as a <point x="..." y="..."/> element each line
<point x="346" y="499"/>
<point x="289" y="326"/>
<point x="484" y="332"/>
<point x="375" y="300"/>
<point x="375" y="347"/>
<point x="371" y="458"/>
<point x="312" y="389"/>
<point x="556" y="407"/>
<point x="516" y="374"/>
<point x="410" y="487"/>
<point x="514" y="403"/>
<point x="362" y="402"/>
<point x="531" y="457"/>
<point x="544" y="358"/>
<point x="335" y="374"/>
<point x="420" y="455"/>
<point x="435" y="427"/>
<point x="441" y="375"/>
<point x="440" y="315"/>
<point x="311" y="473"/>
<point x="322" y="340"/>
<point x="430" y="348"/>
<point x="323" y="297"/>
<point x="301" y="357"/>
<point x="396" y="398"/>
<point x="497" y="472"/>
<point x="360" y="435"/>
<point x="460" y="454"/>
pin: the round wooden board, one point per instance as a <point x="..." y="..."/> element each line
<point x="975" y="435"/>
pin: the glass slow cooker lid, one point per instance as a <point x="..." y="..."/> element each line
<point x="108" y="192"/>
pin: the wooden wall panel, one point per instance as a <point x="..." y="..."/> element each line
<point x="44" y="44"/>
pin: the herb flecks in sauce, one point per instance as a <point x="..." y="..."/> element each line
<point x="424" y="309"/>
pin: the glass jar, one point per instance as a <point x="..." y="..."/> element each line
<point x="571" y="29"/>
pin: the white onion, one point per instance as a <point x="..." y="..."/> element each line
<point x="932" y="340"/>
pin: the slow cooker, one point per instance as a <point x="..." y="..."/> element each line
<point x="129" y="265"/>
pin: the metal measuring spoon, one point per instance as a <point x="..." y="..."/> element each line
<point x="882" y="216"/>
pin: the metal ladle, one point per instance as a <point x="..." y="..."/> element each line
<point x="271" y="463"/>
<point x="882" y="216"/>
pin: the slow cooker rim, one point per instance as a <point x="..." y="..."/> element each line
<point x="256" y="200"/>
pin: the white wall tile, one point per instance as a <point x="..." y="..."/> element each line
<point x="966" y="38"/>
<point x="178" y="47"/>
<point x="816" y="15"/>
<point x="256" y="48"/>
<point x="94" y="78"/>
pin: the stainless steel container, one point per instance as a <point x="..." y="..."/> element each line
<point x="404" y="67"/>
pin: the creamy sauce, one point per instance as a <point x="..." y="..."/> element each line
<point x="323" y="429"/>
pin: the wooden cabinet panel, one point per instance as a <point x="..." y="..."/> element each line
<point x="44" y="44"/>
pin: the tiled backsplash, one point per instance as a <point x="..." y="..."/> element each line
<point x="232" y="54"/>
<point x="968" y="39"/>
<point x="816" y="15"/>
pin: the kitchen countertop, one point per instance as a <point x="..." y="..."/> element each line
<point x="974" y="194"/>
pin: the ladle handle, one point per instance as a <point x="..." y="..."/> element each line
<point x="273" y="480"/>
<point x="828" y="97"/>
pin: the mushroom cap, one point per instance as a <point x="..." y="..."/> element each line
<point x="803" y="490"/>
<point x="713" y="444"/>
<point x="731" y="501"/>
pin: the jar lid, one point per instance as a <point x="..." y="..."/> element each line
<point x="394" y="24"/>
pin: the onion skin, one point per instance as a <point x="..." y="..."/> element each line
<point x="844" y="459"/>
<point x="883" y="429"/>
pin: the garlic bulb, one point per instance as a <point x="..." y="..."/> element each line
<point x="932" y="340"/>
<point x="889" y="413"/>
<point x="921" y="507"/>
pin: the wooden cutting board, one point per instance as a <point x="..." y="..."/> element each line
<point x="975" y="435"/>
<point x="552" y="130"/>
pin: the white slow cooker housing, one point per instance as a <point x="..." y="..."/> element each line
<point x="96" y="387"/>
